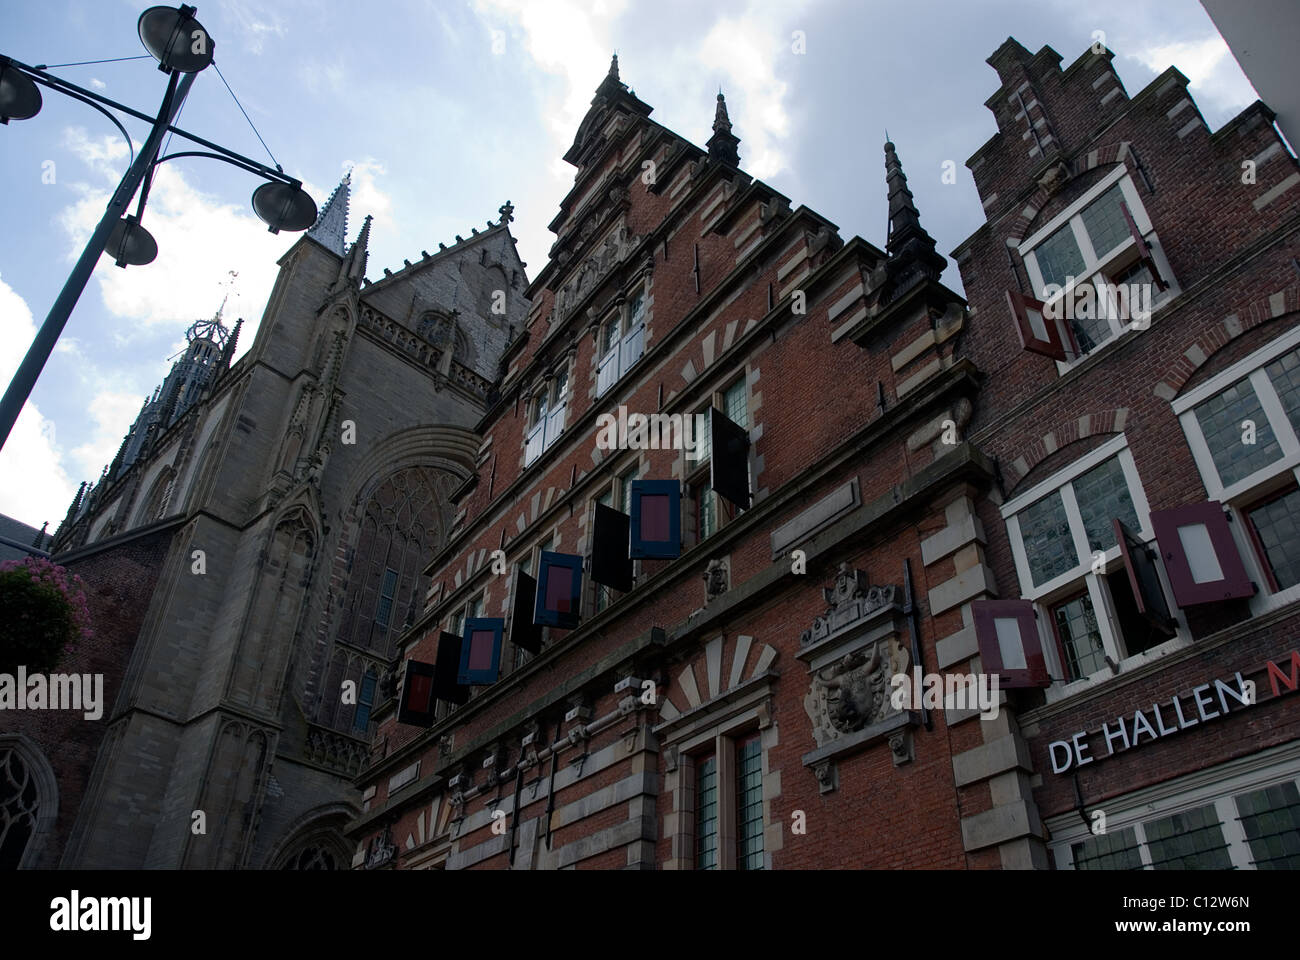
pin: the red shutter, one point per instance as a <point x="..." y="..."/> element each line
<point x="1007" y="633"/>
<point x="1143" y="250"/>
<point x="1200" y="555"/>
<point x="1038" y="333"/>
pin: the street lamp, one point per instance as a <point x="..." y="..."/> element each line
<point x="182" y="48"/>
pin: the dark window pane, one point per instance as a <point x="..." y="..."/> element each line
<point x="734" y="404"/>
<point x="1103" y="493"/>
<point x="1191" y="840"/>
<point x="1285" y="374"/>
<point x="706" y="813"/>
<point x="1278" y="525"/>
<point x="1110" y="851"/>
<point x="1076" y="625"/>
<point x="480" y="650"/>
<point x="1270" y="819"/>
<point x="749" y="802"/>
<point x="1139" y="633"/>
<point x="1221" y="420"/>
<point x="1045" y="531"/>
<point x="1059" y="257"/>
<point x="1105" y="222"/>
<point x="559" y="589"/>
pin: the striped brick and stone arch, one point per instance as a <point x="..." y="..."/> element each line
<point x="1061" y="434"/>
<point x="1247" y="317"/>
<point x="1020" y="225"/>
<point x="718" y="701"/>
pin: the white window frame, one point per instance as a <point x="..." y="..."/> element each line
<point x="1219" y="785"/>
<point x="1067" y="584"/>
<point x="1248" y="489"/>
<point x="1094" y="266"/>
<point x="629" y="343"/>
<point x="547" y="411"/>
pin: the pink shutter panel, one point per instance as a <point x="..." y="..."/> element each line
<point x="1007" y="633"/>
<point x="1200" y="555"/>
<point x="1038" y="333"/>
<point x="1143" y="250"/>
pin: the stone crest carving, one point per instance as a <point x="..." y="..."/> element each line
<point x="850" y="598"/>
<point x="853" y="692"/>
<point x="382" y="850"/>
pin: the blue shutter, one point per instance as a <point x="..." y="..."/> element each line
<point x="559" y="590"/>
<point x="480" y="651"/>
<point x="656" y="519"/>
<point x="365" y="700"/>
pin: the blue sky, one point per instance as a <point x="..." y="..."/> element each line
<point x="445" y="110"/>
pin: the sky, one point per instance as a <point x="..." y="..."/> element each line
<point x="446" y="109"/>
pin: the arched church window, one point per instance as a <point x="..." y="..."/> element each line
<point x="312" y="857"/>
<point x="20" y="801"/>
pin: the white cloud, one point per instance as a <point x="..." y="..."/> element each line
<point x="746" y="49"/>
<point x="34" y="486"/>
<point x="98" y="84"/>
<point x="113" y="414"/>
<point x="253" y="28"/>
<point x="1209" y="66"/>
<point x="200" y="239"/>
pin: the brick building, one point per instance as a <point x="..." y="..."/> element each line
<point x="250" y="556"/>
<point x="927" y="480"/>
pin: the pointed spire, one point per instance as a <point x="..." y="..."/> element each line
<point x="722" y="145"/>
<point x="911" y="250"/>
<point x="228" y="353"/>
<point x="353" y="268"/>
<point x="613" y="66"/>
<point x="611" y="84"/>
<point x="331" y="227"/>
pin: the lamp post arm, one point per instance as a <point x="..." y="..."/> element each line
<point x="66" y="86"/>
<point x="24" y="379"/>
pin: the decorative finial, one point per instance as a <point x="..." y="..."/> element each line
<point x="613" y="67"/>
<point x="507" y="211"/>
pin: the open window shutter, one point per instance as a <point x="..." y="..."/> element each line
<point x="656" y="519"/>
<point x="728" y="458"/>
<point x="1007" y="633"/>
<point x="559" y="590"/>
<point x="1143" y="250"/>
<point x="1038" y="332"/>
<point x="610" y="562"/>
<point x="1200" y="555"/>
<point x="633" y="346"/>
<point x="446" y="682"/>
<point x="1140" y="562"/>
<point x="524" y="633"/>
<point x="480" y="651"/>
<point x="536" y="440"/>
<point x="416" y="705"/>
<point x="607" y="372"/>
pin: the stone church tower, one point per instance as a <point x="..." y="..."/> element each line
<point x="265" y="525"/>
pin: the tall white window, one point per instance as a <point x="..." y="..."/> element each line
<point x="1243" y="428"/>
<point x="621" y="342"/>
<point x="1070" y="564"/>
<point x="546" y="414"/>
<point x="1087" y="263"/>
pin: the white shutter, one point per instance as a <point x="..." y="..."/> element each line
<point x="633" y="347"/>
<point x="536" y="440"/>
<point x="555" y="421"/>
<point x="607" y="372"/>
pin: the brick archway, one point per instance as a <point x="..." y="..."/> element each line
<point x="1062" y="434"/>
<point x="1121" y="152"/>
<point x="1249" y="316"/>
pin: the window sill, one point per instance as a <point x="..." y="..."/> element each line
<point x="1058" y="693"/>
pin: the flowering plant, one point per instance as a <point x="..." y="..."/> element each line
<point x="43" y="612"/>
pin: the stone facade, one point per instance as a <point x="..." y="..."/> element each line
<point x="254" y="553"/>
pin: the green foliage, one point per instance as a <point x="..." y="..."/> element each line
<point x="43" y="611"/>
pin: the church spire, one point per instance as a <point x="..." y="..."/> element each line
<point x="722" y="145"/>
<point x="911" y="250"/>
<point x="353" y="268"/>
<point x="331" y="227"/>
